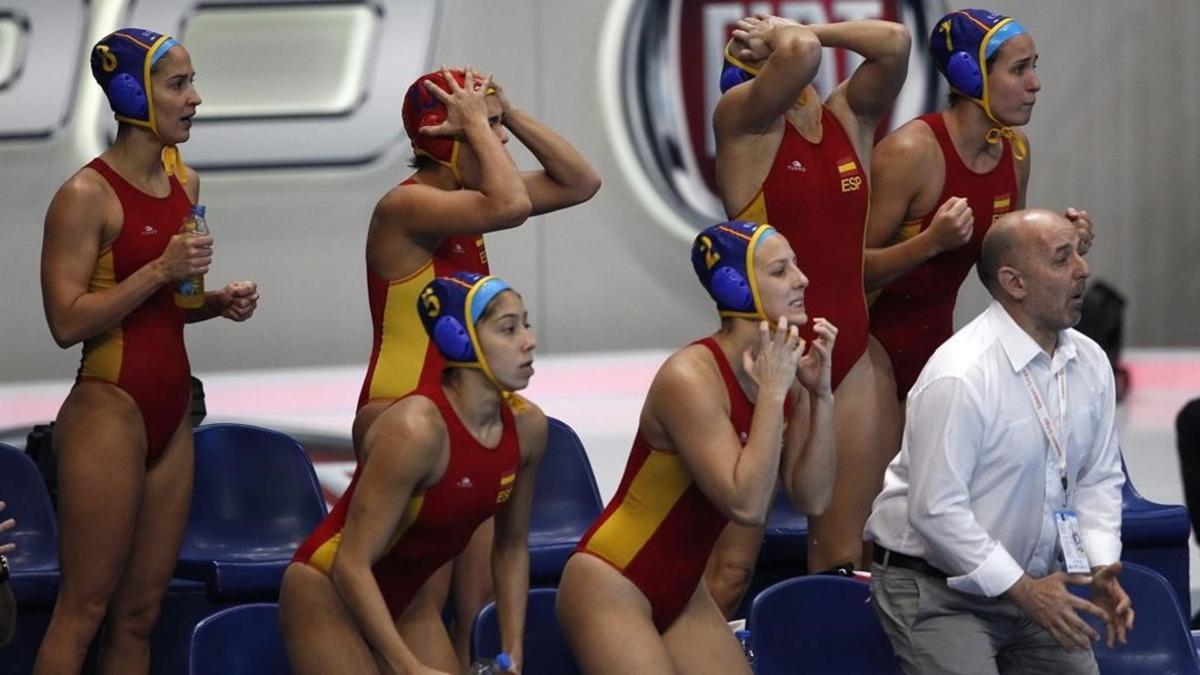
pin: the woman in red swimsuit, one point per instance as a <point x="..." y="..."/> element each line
<point x="111" y="258"/>
<point x="356" y="600"/>
<point x="433" y="224"/>
<point x="726" y="419"/>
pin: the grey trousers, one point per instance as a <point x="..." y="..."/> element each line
<point x="935" y="629"/>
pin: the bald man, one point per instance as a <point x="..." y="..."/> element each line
<point x="990" y="510"/>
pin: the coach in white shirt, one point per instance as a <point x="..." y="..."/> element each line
<point x="1009" y="430"/>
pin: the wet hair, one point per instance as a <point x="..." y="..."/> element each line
<point x="419" y="162"/>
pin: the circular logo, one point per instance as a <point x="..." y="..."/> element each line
<point x="662" y="76"/>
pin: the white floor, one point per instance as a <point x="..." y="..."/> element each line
<point x="600" y="396"/>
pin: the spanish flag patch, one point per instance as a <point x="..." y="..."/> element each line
<point x="507" y="482"/>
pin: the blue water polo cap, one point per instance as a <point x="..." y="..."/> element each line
<point x="121" y="63"/>
<point x="449" y="308"/>
<point x="723" y="257"/>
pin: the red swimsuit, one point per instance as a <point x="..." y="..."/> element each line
<point x="144" y="354"/>
<point x="914" y="314"/>
<point x="659" y="528"/>
<point x="402" y="357"/>
<point x="816" y="195"/>
<point x="437" y="522"/>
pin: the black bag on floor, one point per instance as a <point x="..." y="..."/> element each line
<point x="1103" y="320"/>
<point x="39" y="445"/>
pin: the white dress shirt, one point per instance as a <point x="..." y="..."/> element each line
<point x="975" y="486"/>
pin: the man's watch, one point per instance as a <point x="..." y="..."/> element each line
<point x="3" y="569"/>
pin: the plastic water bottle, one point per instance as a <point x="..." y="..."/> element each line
<point x="495" y="666"/>
<point x="189" y="292"/>
<point x="743" y="638"/>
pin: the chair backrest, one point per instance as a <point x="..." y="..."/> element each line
<point x="818" y="624"/>
<point x="24" y="493"/>
<point x="566" y="499"/>
<point x="1161" y="640"/>
<point x="242" y="640"/>
<point x="255" y="490"/>
<point x="546" y="650"/>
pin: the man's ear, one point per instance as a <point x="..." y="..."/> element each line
<point x="1012" y="281"/>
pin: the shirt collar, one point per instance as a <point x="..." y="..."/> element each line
<point x="1020" y="347"/>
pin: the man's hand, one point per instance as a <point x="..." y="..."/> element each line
<point x="1108" y="595"/>
<point x="1048" y="602"/>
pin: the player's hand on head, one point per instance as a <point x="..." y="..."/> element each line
<point x="466" y="104"/>
<point x="1083" y="225"/>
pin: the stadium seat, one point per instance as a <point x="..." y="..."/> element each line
<point x="1156" y="536"/>
<point x="1161" y="640"/>
<point x="255" y="499"/>
<point x="566" y="502"/>
<point x="242" y="640"/>
<point x="546" y="650"/>
<point x="818" y="624"/>
<point x="784" y="552"/>
<point x="34" y="563"/>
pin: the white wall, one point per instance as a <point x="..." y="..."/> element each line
<point x="1113" y="132"/>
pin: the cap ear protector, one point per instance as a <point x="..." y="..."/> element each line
<point x="964" y="74"/>
<point x="735" y="71"/>
<point x="728" y="287"/>
<point x="723" y="258"/>
<point x="452" y="339"/>
<point x="127" y="97"/>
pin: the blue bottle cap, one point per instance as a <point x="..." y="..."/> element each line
<point x="198" y="210"/>
<point x="503" y="661"/>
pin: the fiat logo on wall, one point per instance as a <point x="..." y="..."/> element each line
<point x="661" y="64"/>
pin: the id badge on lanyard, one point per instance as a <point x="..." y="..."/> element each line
<point x="1066" y="521"/>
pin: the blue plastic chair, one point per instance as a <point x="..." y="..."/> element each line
<point x="819" y="624"/>
<point x="34" y="563"/>
<point x="566" y="502"/>
<point x="1161" y="639"/>
<point x="784" y="552"/>
<point x="243" y="640"/>
<point x="1156" y="536"/>
<point x="546" y="650"/>
<point x="255" y="499"/>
